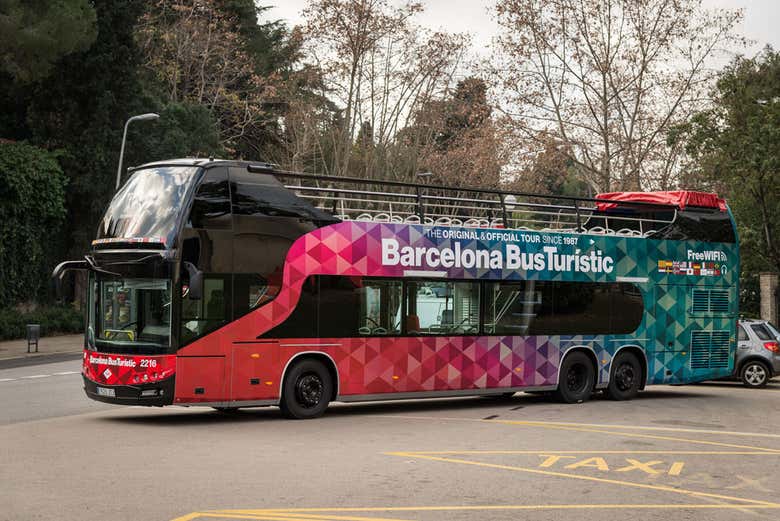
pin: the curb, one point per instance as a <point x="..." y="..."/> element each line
<point x="40" y="359"/>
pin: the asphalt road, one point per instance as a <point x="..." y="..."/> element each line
<point x="697" y="452"/>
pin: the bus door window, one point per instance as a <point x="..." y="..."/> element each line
<point x="206" y="314"/>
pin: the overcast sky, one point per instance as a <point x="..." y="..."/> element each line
<point x="761" y="21"/>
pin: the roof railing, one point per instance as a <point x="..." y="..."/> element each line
<point x="348" y="198"/>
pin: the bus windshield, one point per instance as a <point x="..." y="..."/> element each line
<point x="148" y="205"/>
<point x="130" y="316"/>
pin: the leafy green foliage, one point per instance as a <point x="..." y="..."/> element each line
<point x="183" y="130"/>
<point x="735" y="146"/>
<point x="81" y="109"/>
<point x="32" y="189"/>
<point x="36" y="33"/>
<point x="53" y="320"/>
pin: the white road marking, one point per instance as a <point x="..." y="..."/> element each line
<point x="36" y="376"/>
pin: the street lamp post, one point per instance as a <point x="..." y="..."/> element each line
<point x="140" y="117"/>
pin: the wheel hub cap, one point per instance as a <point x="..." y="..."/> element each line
<point x="755" y="374"/>
<point x="575" y="378"/>
<point x="308" y="390"/>
<point x="624" y="377"/>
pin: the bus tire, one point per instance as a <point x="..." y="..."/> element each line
<point x="754" y="374"/>
<point x="306" y="390"/>
<point x="576" y="378"/>
<point x="625" y="377"/>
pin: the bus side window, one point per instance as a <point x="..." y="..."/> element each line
<point x="442" y="308"/>
<point x="211" y="205"/>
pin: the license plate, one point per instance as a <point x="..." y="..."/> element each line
<point x="105" y="391"/>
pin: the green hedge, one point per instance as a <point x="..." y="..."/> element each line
<point x="32" y="210"/>
<point x="53" y="320"/>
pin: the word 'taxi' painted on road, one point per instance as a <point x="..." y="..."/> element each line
<point x="652" y="467"/>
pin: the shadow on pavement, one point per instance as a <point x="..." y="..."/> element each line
<point x="488" y="405"/>
<point x="772" y="385"/>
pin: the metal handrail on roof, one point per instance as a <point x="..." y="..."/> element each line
<point x="350" y="198"/>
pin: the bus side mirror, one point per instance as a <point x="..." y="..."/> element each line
<point x="59" y="273"/>
<point x="196" y="281"/>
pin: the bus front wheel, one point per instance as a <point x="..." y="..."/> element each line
<point x="576" y="379"/>
<point x="626" y="377"/>
<point x="306" y="390"/>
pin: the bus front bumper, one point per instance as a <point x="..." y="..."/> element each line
<point x="153" y="394"/>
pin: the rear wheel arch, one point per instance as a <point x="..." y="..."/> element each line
<point x="591" y="356"/>
<point x="577" y="375"/>
<point x="640" y="354"/>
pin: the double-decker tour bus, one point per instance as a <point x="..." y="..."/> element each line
<point x="230" y="284"/>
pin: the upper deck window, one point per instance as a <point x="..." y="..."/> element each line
<point x="148" y="205"/>
<point x="263" y="195"/>
<point x="211" y="205"/>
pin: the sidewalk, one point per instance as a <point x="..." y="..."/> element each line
<point x="46" y="346"/>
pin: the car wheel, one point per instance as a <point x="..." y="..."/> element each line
<point x="625" y="378"/>
<point x="306" y="390"/>
<point x="754" y="374"/>
<point x="576" y="379"/>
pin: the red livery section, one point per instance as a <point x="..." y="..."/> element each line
<point x="110" y="369"/>
<point x="680" y="199"/>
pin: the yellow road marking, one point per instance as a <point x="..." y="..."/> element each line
<point x="597" y="425"/>
<point x="546" y="452"/>
<point x="743" y="504"/>
<point x="593" y="463"/>
<point x="276" y="515"/>
<point x="285" y="514"/>
<point x="280" y="515"/>
<point x="646" y="467"/>
<point x="235" y="514"/>
<point x="270" y="516"/>
<point x="665" y="429"/>
<point x="188" y="517"/>
<point x="660" y="488"/>
<point x="634" y="435"/>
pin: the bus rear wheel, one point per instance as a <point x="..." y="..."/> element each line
<point x="577" y="378"/>
<point x="625" y="379"/>
<point x="306" y="390"/>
